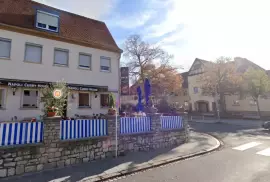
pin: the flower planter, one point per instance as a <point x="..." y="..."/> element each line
<point x="111" y="111"/>
<point x="51" y="114"/>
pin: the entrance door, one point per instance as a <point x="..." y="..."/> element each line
<point x="203" y="106"/>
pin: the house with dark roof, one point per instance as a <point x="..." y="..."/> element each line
<point x="39" y="45"/>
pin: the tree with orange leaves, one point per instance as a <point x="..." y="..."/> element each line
<point x="150" y="61"/>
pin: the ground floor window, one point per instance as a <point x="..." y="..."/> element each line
<point x="2" y="98"/>
<point x="84" y="100"/>
<point x="30" y="99"/>
<point x="104" y="100"/>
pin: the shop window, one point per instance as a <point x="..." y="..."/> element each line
<point x="30" y="99"/>
<point x="84" y="100"/>
<point x="104" y="100"/>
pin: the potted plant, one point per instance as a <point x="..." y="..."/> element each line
<point x="54" y="106"/>
<point x="51" y="111"/>
<point x="111" y="110"/>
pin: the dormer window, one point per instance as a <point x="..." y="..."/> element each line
<point x="47" y="21"/>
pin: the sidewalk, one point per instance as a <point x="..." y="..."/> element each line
<point x="103" y="169"/>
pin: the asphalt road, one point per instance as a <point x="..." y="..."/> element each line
<point x="245" y="156"/>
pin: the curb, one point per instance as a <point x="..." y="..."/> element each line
<point x="99" y="178"/>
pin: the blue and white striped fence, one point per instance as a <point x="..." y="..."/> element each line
<point x="171" y="122"/>
<point x="129" y="125"/>
<point x="83" y="128"/>
<point x="21" y="133"/>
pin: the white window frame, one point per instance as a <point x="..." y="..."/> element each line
<point x="47" y="26"/>
<point x="6" y="40"/>
<point x="38" y="100"/>
<point x="34" y="45"/>
<point x="90" y="99"/>
<point x="236" y="103"/>
<point x="4" y="98"/>
<point x="108" y="58"/>
<point x="252" y="103"/>
<point x="63" y="50"/>
<point x="85" y="54"/>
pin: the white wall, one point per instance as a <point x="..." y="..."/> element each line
<point x="47" y="72"/>
<point x="193" y="81"/>
<point x="73" y="105"/>
<point x="13" y="106"/>
<point x="16" y="68"/>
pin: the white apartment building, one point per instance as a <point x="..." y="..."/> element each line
<point x="40" y="45"/>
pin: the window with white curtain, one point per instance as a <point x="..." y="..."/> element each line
<point x="84" y="61"/>
<point x="47" y="21"/>
<point x="5" y="47"/>
<point x="30" y="98"/>
<point x="61" y="57"/>
<point x="105" y="64"/>
<point x="33" y="53"/>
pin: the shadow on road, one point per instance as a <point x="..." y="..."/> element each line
<point x="223" y="130"/>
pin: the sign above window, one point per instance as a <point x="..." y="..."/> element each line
<point x="47" y="21"/>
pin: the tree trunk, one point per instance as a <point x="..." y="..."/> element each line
<point x="258" y="108"/>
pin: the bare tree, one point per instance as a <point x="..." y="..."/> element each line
<point x="140" y="54"/>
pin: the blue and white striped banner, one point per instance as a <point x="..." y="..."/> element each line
<point x="21" y="133"/>
<point x="171" y="122"/>
<point x="129" y="125"/>
<point x="83" y="128"/>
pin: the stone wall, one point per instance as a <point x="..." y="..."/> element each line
<point x="53" y="153"/>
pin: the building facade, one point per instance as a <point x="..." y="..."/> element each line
<point x="41" y="45"/>
<point x="233" y="103"/>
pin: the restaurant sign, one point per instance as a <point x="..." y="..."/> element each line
<point x="27" y="85"/>
<point x="45" y="84"/>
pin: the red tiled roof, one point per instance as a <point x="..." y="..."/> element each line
<point x="21" y="13"/>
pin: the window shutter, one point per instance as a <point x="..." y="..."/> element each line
<point x="61" y="57"/>
<point x="84" y="61"/>
<point x="5" y="46"/>
<point x="47" y="19"/>
<point x="105" y="62"/>
<point x="33" y="53"/>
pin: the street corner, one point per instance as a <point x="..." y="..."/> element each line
<point x="198" y="144"/>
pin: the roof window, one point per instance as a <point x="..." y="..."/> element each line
<point x="47" y="21"/>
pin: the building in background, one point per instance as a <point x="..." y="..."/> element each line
<point x="179" y="100"/>
<point x="39" y="45"/>
<point x="233" y="104"/>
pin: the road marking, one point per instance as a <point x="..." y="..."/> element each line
<point x="246" y="146"/>
<point x="265" y="152"/>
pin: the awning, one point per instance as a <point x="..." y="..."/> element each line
<point x="42" y="84"/>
